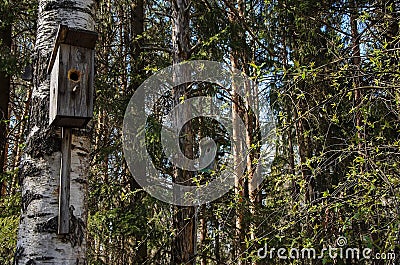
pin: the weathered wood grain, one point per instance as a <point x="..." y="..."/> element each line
<point x="65" y="180"/>
<point x="71" y="100"/>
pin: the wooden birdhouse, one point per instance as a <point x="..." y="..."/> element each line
<point x="71" y="72"/>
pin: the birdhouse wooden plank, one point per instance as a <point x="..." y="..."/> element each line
<point x="71" y="72"/>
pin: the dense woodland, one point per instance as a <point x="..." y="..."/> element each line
<point x="329" y="70"/>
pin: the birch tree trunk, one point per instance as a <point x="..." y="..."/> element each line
<point x="38" y="241"/>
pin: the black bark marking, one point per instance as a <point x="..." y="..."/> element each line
<point x="79" y="148"/>
<point x="45" y="258"/>
<point x="38" y="215"/>
<point x="28" y="197"/>
<point x="27" y="168"/>
<point x="54" y="5"/>
<point x="81" y="154"/>
<point x="71" y="5"/>
<point x="81" y="181"/>
<point x="31" y="262"/>
<point x="80" y="151"/>
<point x="18" y="253"/>
<point x="40" y="67"/>
<point x="45" y="141"/>
<point x="76" y="228"/>
<point x="50" y="226"/>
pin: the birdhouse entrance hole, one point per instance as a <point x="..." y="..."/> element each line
<point x="74" y="75"/>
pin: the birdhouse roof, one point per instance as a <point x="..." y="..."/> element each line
<point x="74" y="37"/>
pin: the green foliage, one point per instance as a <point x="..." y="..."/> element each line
<point x="9" y="220"/>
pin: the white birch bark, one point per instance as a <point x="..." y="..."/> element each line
<point x="38" y="242"/>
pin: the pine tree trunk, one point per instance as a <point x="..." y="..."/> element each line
<point x="137" y="29"/>
<point x="238" y="149"/>
<point x="17" y="150"/>
<point x="183" y="249"/>
<point x="5" y="41"/>
<point x="38" y="241"/>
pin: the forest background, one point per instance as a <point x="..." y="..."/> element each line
<point x="328" y="69"/>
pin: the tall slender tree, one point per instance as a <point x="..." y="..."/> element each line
<point x="184" y="243"/>
<point x="5" y="48"/>
<point x="237" y="148"/>
<point x="136" y="32"/>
